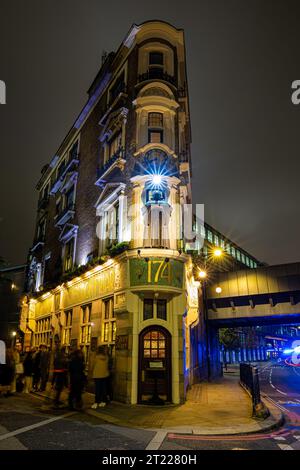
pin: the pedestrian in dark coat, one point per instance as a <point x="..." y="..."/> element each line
<point x="37" y="369"/>
<point x="28" y="365"/>
<point x="60" y="371"/>
<point x="7" y="371"/>
<point x="44" y="367"/>
<point x="77" y="379"/>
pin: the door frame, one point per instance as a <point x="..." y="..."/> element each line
<point x="168" y="337"/>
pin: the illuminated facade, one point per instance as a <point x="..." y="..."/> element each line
<point x="109" y="263"/>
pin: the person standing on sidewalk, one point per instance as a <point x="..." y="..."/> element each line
<point x="37" y="369"/>
<point x="18" y="369"/>
<point x="100" y="374"/>
<point x="109" y="380"/>
<point x="44" y="367"/>
<point x="77" y="379"/>
<point x="60" y="377"/>
<point x="28" y="371"/>
<point x="7" y="371"/>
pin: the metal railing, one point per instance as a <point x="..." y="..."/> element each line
<point x="249" y="379"/>
<point x="156" y="73"/>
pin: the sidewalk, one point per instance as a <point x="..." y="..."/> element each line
<point x="211" y="408"/>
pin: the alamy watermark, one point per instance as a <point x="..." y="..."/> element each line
<point x="295" y="97"/>
<point x="155" y="223"/>
<point x="2" y="92"/>
<point x="2" y="352"/>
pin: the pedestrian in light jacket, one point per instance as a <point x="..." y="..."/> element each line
<point x="100" y="374"/>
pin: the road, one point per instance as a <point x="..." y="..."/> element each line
<point x="28" y="422"/>
<point x="280" y="384"/>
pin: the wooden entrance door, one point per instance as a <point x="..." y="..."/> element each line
<point x="154" y="364"/>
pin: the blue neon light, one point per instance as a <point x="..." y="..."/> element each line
<point x="288" y="351"/>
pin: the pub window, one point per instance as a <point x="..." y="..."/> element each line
<point x="67" y="328"/>
<point x="233" y="251"/>
<point x="162" y="309"/>
<point x="148" y="309"/>
<point x="216" y="239"/>
<point x="109" y="321"/>
<point x="154" y="345"/>
<point x="108" y="308"/>
<point x="85" y="330"/>
<point x="43" y="332"/>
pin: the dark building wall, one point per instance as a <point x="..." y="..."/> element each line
<point x="87" y="192"/>
<point x="11" y="288"/>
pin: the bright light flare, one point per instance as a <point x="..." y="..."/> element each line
<point x="288" y="351"/>
<point x="218" y="252"/>
<point x="157" y="180"/>
<point x="218" y="290"/>
<point x="202" y="274"/>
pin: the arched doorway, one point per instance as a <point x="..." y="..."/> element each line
<point x="154" y="364"/>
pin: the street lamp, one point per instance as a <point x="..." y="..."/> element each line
<point x="218" y="290"/>
<point x="13" y="339"/>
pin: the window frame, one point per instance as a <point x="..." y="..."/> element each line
<point x="109" y="324"/>
<point x="154" y="63"/>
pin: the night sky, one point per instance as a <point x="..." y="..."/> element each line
<point x="242" y="57"/>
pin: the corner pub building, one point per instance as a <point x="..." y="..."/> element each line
<point x="109" y="264"/>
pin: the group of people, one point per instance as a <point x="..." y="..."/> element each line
<point x="30" y="372"/>
<point x="27" y="371"/>
<point x="70" y="371"/>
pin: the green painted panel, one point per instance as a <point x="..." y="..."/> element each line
<point x="156" y="271"/>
